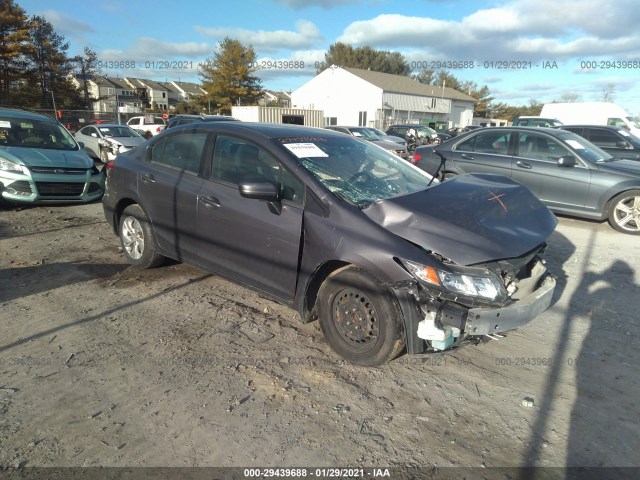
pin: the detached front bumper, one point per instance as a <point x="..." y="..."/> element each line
<point x="434" y="324"/>
<point x="483" y="321"/>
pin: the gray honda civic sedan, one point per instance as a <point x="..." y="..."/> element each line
<point x="383" y="255"/>
<point x="565" y="171"/>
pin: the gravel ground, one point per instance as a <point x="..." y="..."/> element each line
<point x="103" y="364"/>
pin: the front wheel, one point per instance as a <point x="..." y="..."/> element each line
<point x="137" y="238"/>
<point x="624" y="212"/>
<point x="360" y="318"/>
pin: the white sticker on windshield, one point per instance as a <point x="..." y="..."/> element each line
<point x="5" y="124"/>
<point x="104" y="129"/>
<point x="357" y="134"/>
<point x="304" y="150"/>
<point x="575" y="144"/>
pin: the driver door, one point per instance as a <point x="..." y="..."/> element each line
<point x="248" y="239"/>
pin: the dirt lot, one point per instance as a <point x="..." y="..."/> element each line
<point x="102" y="364"/>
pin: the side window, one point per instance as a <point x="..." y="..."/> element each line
<point x="235" y="160"/>
<point x="496" y="143"/>
<point x="182" y="152"/>
<point x="616" y="122"/>
<point x="539" y="147"/>
<point x="603" y="138"/>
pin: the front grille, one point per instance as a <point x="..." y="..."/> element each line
<point x="59" y="189"/>
<point x="59" y="170"/>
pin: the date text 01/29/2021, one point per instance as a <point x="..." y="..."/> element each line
<point x="328" y="472"/>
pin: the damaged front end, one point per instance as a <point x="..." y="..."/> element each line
<point x="478" y="268"/>
<point x="444" y="308"/>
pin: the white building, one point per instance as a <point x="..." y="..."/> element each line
<point x="352" y="96"/>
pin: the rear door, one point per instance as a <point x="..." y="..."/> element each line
<point x="168" y="187"/>
<point x="247" y="239"/>
<point x="535" y="165"/>
<point x="485" y="152"/>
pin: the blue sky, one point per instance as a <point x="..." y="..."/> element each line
<point x="588" y="44"/>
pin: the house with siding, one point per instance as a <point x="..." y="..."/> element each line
<point x="352" y="96"/>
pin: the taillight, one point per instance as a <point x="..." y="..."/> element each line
<point x="158" y="129"/>
<point x="416" y="158"/>
<point x="109" y="166"/>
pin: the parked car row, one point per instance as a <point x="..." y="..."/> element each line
<point x="568" y="173"/>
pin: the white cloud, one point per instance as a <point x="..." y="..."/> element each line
<point x="67" y="26"/>
<point x="153" y="50"/>
<point x="305" y="36"/>
<point x="521" y="30"/>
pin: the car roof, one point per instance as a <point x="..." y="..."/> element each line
<point x="103" y="125"/>
<point x="24" y="114"/>
<point x="267" y="130"/>
<point x="584" y="125"/>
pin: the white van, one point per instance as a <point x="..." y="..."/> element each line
<point x="592" y="113"/>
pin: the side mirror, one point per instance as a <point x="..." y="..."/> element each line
<point x="567" y="161"/>
<point x="259" y="189"/>
<point x="623" y="144"/>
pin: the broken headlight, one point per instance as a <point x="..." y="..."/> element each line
<point x="467" y="281"/>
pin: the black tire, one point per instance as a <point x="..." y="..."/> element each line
<point x="137" y="238"/>
<point x="624" y="212"/>
<point x="360" y="318"/>
<point x="104" y="156"/>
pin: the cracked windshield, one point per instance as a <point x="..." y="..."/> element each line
<point x="355" y="171"/>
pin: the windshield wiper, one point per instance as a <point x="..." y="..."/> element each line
<point x="440" y="167"/>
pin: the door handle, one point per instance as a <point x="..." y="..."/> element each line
<point x="210" y="202"/>
<point x="467" y="156"/>
<point x="147" y="178"/>
<point x="523" y="165"/>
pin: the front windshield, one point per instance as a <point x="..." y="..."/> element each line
<point x="118" y="132"/>
<point x="356" y="171"/>
<point x="633" y="123"/>
<point x="584" y="147"/>
<point x="17" y="132"/>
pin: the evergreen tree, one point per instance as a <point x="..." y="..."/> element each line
<point x="14" y="45"/>
<point x="228" y="78"/>
<point x="367" y="58"/>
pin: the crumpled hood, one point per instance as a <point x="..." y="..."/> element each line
<point x="470" y="219"/>
<point x="128" y="142"/>
<point x="44" y="157"/>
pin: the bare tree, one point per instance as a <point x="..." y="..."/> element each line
<point x="570" y="97"/>
<point x="608" y="92"/>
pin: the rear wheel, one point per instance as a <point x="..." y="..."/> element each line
<point x="360" y="318"/>
<point x="137" y="238"/>
<point x="624" y="212"/>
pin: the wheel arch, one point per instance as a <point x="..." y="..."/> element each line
<point x="309" y="311"/>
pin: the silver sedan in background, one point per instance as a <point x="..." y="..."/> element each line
<point x="106" y="140"/>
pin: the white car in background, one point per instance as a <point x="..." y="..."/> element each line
<point x="147" y="125"/>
